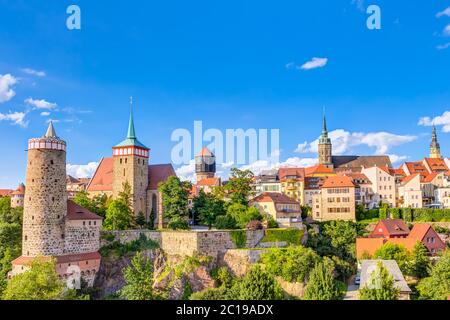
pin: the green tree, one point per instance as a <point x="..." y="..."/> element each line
<point x="118" y="216"/>
<point x="255" y="285"/>
<point x="208" y="207"/>
<point x="140" y="220"/>
<point x="379" y="286"/>
<point x="126" y="195"/>
<point x="437" y="286"/>
<point x="390" y="251"/>
<point x="293" y="264"/>
<point x="225" y="222"/>
<point x="40" y="282"/>
<point x="419" y="264"/>
<point x="321" y="285"/>
<point x="139" y="279"/>
<point x="243" y="214"/>
<point x="239" y="188"/>
<point x="175" y="195"/>
<point x="98" y="204"/>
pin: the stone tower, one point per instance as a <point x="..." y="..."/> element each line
<point x="130" y="165"/>
<point x="325" y="147"/>
<point x="45" y="204"/>
<point x="205" y="164"/>
<point x="435" y="148"/>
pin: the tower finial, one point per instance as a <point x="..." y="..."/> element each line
<point x="51" y="133"/>
<point x="131" y="133"/>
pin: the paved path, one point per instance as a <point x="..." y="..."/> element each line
<point x="352" y="292"/>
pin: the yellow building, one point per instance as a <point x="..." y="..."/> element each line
<point x="283" y="209"/>
<point x="292" y="182"/>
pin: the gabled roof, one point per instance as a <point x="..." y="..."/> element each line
<point x="338" y="182"/>
<point x="275" y="198"/>
<point x="367" y="266"/>
<point x="212" y="182"/>
<point x="5" y="192"/>
<point x="159" y="173"/>
<point x="395" y="227"/>
<point x="416" y="167"/>
<point x="285" y="173"/>
<point x="318" y="169"/>
<point x="76" y="212"/>
<point x="408" y="179"/>
<point x="436" y="164"/>
<point x="430" y="177"/>
<point x="103" y="176"/>
<point x="361" y="161"/>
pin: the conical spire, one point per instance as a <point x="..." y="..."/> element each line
<point x="435" y="148"/>
<point x="324" y="124"/>
<point x="131" y="133"/>
<point x="51" y="133"/>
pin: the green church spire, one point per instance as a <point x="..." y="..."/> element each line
<point x="131" y="139"/>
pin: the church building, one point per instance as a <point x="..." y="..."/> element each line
<point x="130" y="164"/>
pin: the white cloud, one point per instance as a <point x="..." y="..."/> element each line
<point x="446" y="12"/>
<point x="7" y="81"/>
<point x="443" y="46"/>
<point x="447" y="30"/>
<point x="82" y="171"/>
<point x="187" y="172"/>
<point x="40" y="104"/>
<point x="45" y="114"/>
<point x="397" y="159"/>
<point x="315" y="63"/>
<point x="17" y="118"/>
<point x="344" y="142"/>
<point x="33" y="72"/>
<point x="443" y="120"/>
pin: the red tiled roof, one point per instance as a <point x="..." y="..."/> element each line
<point x="355" y="176"/>
<point x="76" y="212"/>
<point x="274" y="197"/>
<point x="417" y="167"/>
<point x="338" y="182"/>
<point x="429" y="178"/>
<point x="299" y="173"/>
<point x="214" y="182"/>
<point x="395" y="227"/>
<point x="103" y="176"/>
<point x="319" y="169"/>
<point x="436" y="164"/>
<point x="397" y="172"/>
<point x="5" y="192"/>
<point x="20" y="190"/>
<point x="60" y="259"/>
<point x="159" y="173"/>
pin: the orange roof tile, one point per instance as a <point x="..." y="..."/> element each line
<point x="5" y="192"/>
<point x="436" y="164"/>
<point x="318" y="169"/>
<point x="299" y="173"/>
<point x="430" y="177"/>
<point x="213" y="182"/>
<point x="419" y="231"/>
<point x="338" y="182"/>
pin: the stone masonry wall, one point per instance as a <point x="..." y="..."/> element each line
<point x="45" y="204"/>
<point x="187" y="243"/>
<point x="82" y="238"/>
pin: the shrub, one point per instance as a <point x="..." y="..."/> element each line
<point x="239" y="238"/>
<point x="395" y="213"/>
<point x="209" y="294"/>
<point x="292" y="236"/>
<point x="178" y="223"/>
<point x="271" y="222"/>
<point x="225" y="222"/>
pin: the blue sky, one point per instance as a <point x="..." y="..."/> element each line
<point x="231" y="64"/>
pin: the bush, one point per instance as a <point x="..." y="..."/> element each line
<point x="209" y="294"/>
<point x="178" y="223"/>
<point x="395" y="213"/>
<point x="271" y="222"/>
<point x="293" y="264"/>
<point x="255" y="225"/>
<point x="118" y="249"/>
<point x="239" y="238"/>
<point x="225" y="222"/>
<point x="291" y="236"/>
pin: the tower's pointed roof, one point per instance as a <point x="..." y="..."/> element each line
<point x="205" y="152"/>
<point x="324" y="139"/>
<point x="434" y="139"/>
<point x="51" y="133"/>
<point x="131" y="139"/>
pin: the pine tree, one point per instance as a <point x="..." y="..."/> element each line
<point x="379" y="286"/>
<point x="321" y="285"/>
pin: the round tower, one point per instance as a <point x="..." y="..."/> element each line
<point x="205" y="164"/>
<point x="45" y="203"/>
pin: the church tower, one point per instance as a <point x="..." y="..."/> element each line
<point x="205" y="164"/>
<point x="325" y="147"/>
<point x="45" y="203"/>
<point x="435" y="149"/>
<point x="130" y="165"/>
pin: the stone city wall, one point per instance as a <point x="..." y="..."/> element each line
<point x="187" y="243"/>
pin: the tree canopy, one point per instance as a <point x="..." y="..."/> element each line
<point x="379" y="286"/>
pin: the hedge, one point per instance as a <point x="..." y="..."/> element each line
<point x="291" y="236"/>
<point x="407" y="214"/>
